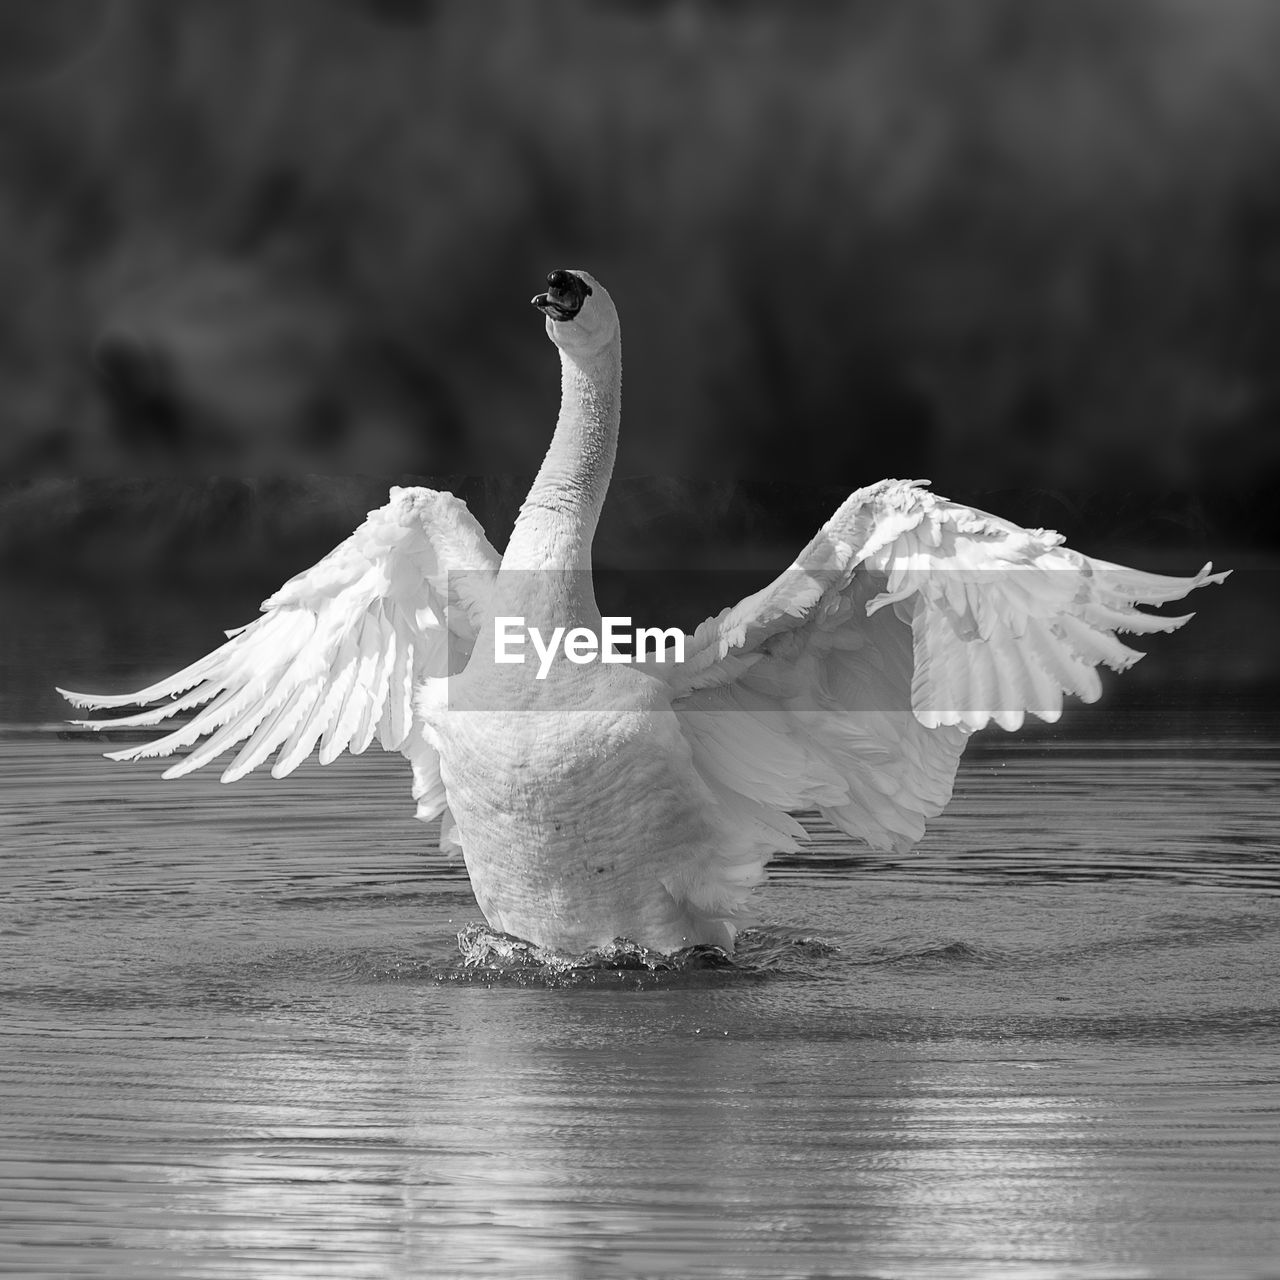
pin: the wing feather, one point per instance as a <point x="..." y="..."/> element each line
<point x="248" y="714"/>
<point x="328" y="698"/>
<point x="272" y="731"/>
<point x="177" y="683"/>
<point x="357" y="686"/>
<point x="906" y="624"/>
<point x="166" y="711"/>
<point x="395" y="718"/>
<point x="214" y="715"/>
<point x="337" y="653"/>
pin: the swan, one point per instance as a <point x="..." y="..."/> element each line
<point x="594" y="800"/>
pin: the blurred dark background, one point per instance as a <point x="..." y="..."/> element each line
<point x="260" y="259"/>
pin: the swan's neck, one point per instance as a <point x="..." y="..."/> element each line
<point x="550" y="546"/>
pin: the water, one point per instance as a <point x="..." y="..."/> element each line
<point x="237" y="1040"/>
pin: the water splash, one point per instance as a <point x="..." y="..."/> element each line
<point x="486" y="955"/>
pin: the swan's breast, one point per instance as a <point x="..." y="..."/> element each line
<point x="575" y="809"/>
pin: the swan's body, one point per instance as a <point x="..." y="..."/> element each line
<point x="579" y="813"/>
<point x="644" y="800"/>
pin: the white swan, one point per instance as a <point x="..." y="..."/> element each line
<point x="644" y="800"/>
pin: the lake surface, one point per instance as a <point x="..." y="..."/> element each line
<point x="237" y="1039"/>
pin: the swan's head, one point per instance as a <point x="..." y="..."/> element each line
<point x="581" y="318"/>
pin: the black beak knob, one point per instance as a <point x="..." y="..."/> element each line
<point x="564" y="297"/>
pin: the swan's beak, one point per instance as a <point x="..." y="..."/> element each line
<point x="564" y="297"/>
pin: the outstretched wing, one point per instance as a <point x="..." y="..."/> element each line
<point x="337" y="653"/>
<point x="855" y="679"/>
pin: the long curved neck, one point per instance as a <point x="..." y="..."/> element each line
<point x="551" y="544"/>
